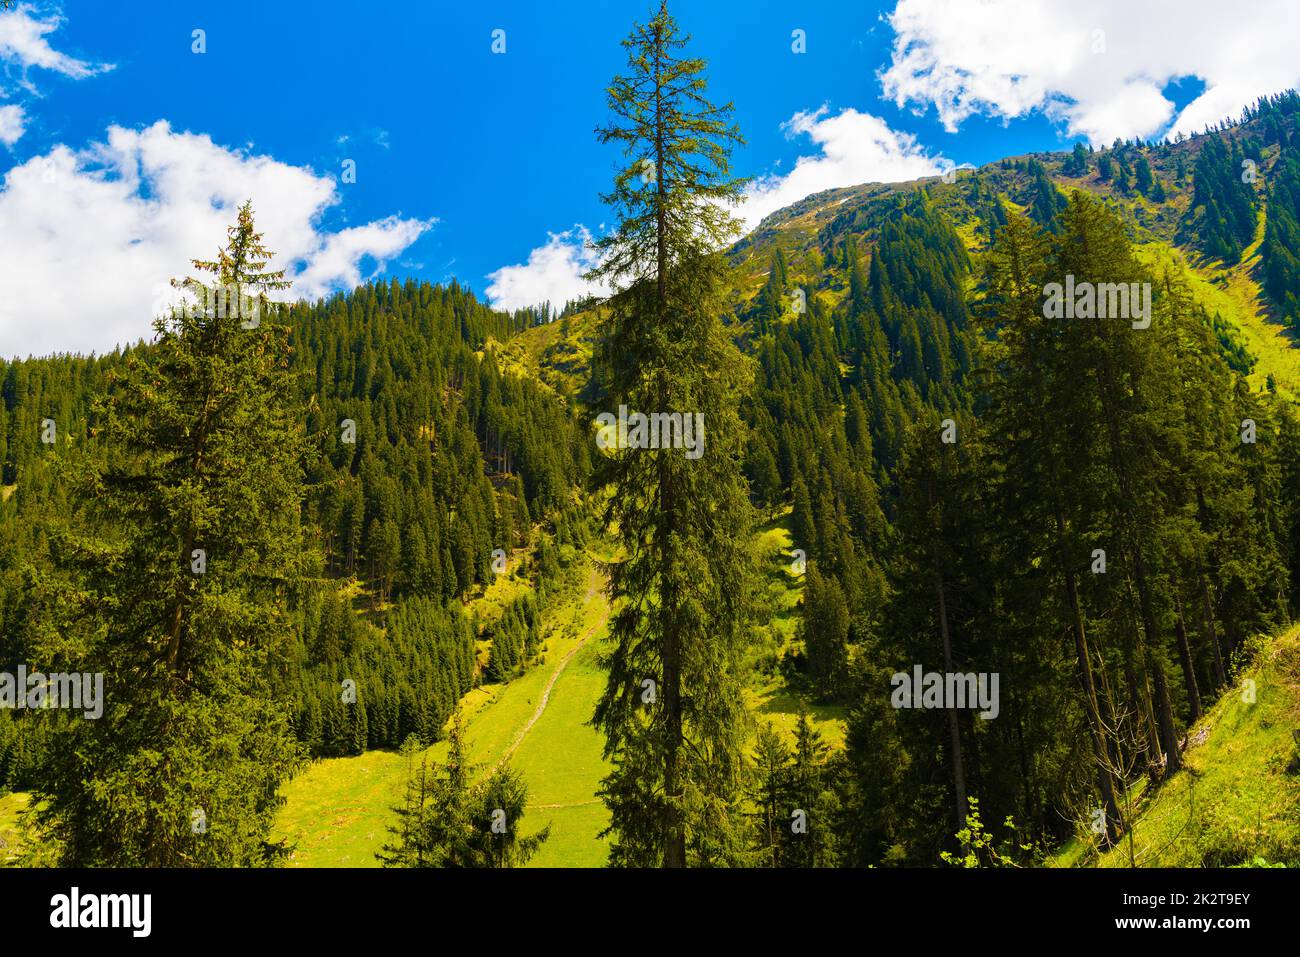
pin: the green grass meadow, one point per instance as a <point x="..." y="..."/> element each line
<point x="1234" y="802"/>
<point x="337" y="811"/>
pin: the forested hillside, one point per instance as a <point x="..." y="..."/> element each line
<point x="1114" y="520"/>
<point x="399" y="491"/>
<point x="420" y="461"/>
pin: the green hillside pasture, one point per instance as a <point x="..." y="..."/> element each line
<point x="10" y="806"/>
<point x="561" y="760"/>
<point x="1235" y="295"/>
<point x="769" y="699"/>
<point x="337" y="811"/>
<point x="1236" y="801"/>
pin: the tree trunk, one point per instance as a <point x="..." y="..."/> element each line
<point x="1099" y="746"/>
<point x="958" y="774"/>
<point x="1185" y="656"/>
<point x="675" y="832"/>
<point x="1140" y="699"/>
<point x="1164" y="706"/>
<point x="1207" y="620"/>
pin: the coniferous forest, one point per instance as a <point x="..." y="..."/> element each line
<point x="985" y="552"/>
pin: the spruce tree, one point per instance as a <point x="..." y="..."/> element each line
<point x="825" y="632"/>
<point x="499" y="809"/>
<point x="807" y="779"/>
<point x="769" y="793"/>
<point x="175" y="580"/>
<point x="446" y="820"/>
<point x="1044" y="436"/>
<point x="684" y="581"/>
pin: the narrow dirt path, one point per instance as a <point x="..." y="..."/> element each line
<point x="592" y="590"/>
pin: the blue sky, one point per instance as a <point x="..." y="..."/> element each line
<point x="122" y="149"/>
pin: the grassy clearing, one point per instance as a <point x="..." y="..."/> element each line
<point x="10" y="807"/>
<point x="337" y="811"/>
<point x="556" y="354"/>
<point x="769" y="699"/>
<point x="1235" y="803"/>
<point x="337" y="815"/>
<point x="488" y="603"/>
<point x="1233" y="292"/>
<point x="561" y="761"/>
<point x="771" y="702"/>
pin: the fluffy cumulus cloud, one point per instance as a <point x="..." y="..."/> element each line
<point x="553" y="273"/>
<point x="89" y="238"/>
<point x="13" y="121"/>
<point x="1100" y="67"/>
<point x="852" y="148"/>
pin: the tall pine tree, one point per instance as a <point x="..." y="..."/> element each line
<point x="683" y="585"/>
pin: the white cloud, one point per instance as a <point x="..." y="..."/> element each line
<point x="553" y="273"/>
<point x="854" y="148"/>
<point x="1097" y="66"/>
<point x="336" y="261"/>
<point x="23" y="44"/>
<point x="90" y="238"/>
<point x="13" y="121"/>
<point x="22" y="47"/>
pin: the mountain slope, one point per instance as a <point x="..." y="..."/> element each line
<point x="1234" y="803"/>
<point x="1165" y="222"/>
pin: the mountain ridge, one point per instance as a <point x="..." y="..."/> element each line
<point x="559" y="355"/>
